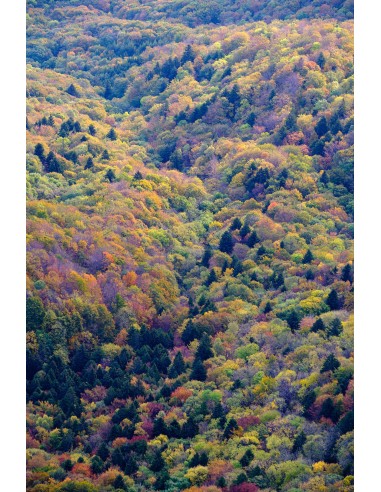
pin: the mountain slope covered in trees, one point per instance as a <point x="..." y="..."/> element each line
<point x="189" y="246"/>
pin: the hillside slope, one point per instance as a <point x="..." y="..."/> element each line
<point x="189" y="246"/>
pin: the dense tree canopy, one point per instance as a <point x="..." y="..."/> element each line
<point x="189" y="246"/>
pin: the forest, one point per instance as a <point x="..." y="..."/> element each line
<point x="190" y="275"/>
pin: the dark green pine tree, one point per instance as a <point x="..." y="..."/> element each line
<point x="103" y="452"/>
<point x="198" y="370"/>
<point x="218" y="411"/>
<point x="158" y="462"/>
<point x="97" y="465"/>
<point x="293" y="321"/>
<point x="242" y="478"/>
<point x="190" y="429"/>
<point x="89" y="163"/>
<point x="336" y="328"/>
<point x="161" y="480"/>
<point x="333" y="301"/>
<point x="208" y="253"/>
<point x="77" y="128"/>
<point x="324" y="178"/>
<point x="236" y="224"/>
<point x="188" y="55"/>
<point x="178" y="363"/>
<point x="308" y="257"/>
<point x="73" y="91"/>
<point x="318" y="326"/>
<point x="226" y="243"/>
<point x="291" y="123"/>
<point x="92" y="130"/>
<point x="330" y="364"/>
<point x="244" y="231"/>
<point x="212" y="277"/>
<point x="346" y="424"/>
<point x="35" y="313"/>
<point x="251" y="119"/>
<point x="52" y="164"/>
<point x="119" y="484"/>
<point x="39" y="151"/>
<point x="108" y="91"/>
<point x="299" y="442"/>
<point x="321" y="60"/>
<point x="105" y="155"/>
<point x="231" y="426"/>
<point x="267" y="308"/>
<point x="110" y="175"/>
<point x="159" y="427"/>
<point x="195" y="461"/>
<point x="112" y="134"/>
<point x="261" y="251"/>
<point x="252" y="240"/>
<point x="221" y="482"/>
<point x="321" y="127"/>
<point x="204" y="350"/>
<point x="131" y="466"/>
<point x="247" y="458"/>
<point x="346" y="274"/>
<point x="190" y="333"/>
<point x="310" y="274"/>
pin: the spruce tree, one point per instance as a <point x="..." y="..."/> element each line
<point x="208" y="253"/>
<point x="244" y="231"/>
<point x="236" y="224"/>
<point x="318" y="326"/>
<point x="92" y="130"/>
<point x="330" y="364"/>
<point x="119" y="483"/>
<point x="103" y="452"/>
<point x="252" y="239"/>
<point x="308" y="257"/>
<point x="108" y="91"/>
<point x="89" y="163"/>
<point x="267" y="308"/>
<point x="204" y="350"/>
<point x="212" y="277"/>
<point x="39" y="151"/>
<point x="226" y="243"/>
<point x="247" y="458"/>
<point x="293" y="321"/>
<point x="190" y="333"/>
<point x="336" y="328"/>
<point x="188" y="55"/>
<point x="178" y="363"/>
<point x="97" y="465"/>
<point x="110" y="175"/>
<point x="158" y="462"/>
<point x="189" y="429"/>
<point x="73" y="91"/>
<point x="333" y="301"/>
<point x="198" y="370"/>
<point x="230" y="428"/>
<point x="112" y="134"/>
<point x="299" y="442"/>
<point x="321" y="127"/>
<point x="321" y="60"/>
<point x="346" y="274"/>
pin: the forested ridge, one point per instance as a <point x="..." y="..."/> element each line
<point x="189" y="246"/>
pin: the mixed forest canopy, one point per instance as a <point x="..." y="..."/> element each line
<point x="189" y="246"/>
